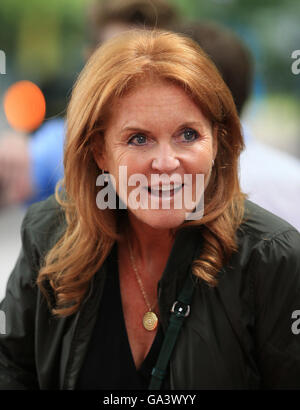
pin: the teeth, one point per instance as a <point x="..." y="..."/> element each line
<point x="161" y="190"/>
<point x="165" y="188"/>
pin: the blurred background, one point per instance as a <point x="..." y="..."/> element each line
<point x="47" y="42"/>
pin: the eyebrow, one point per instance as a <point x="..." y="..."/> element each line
<point x="133" y="128"/>
<point x="186" y="124"/>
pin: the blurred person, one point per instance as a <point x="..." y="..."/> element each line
<point x="14" y="168"/>
<point x="31" y="166"/>
<point x="109" y="18"/>
<point x="98" y="287"/>
<point x="271" y="178"/>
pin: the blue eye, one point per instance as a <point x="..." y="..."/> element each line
<point x="140" y="138"/>
<point x="190" y="134"/>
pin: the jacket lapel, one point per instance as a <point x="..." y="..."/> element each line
<point x="76" y="342"/>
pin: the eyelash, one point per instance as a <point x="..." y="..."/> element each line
<point x="182" y="132"/>
<point x="135" y="136"/>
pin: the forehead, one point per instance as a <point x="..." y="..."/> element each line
<point x="159" y="99"/>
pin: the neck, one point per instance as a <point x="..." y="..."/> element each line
<point x="151" y="246"/>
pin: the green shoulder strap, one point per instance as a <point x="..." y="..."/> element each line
<point x="180" y="310"/>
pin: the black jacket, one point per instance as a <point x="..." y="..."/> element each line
<point x="238" y="335"/>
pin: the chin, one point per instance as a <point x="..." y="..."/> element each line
<point x="160" y="219"/>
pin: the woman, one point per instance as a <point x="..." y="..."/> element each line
<point x="151" y="104"/>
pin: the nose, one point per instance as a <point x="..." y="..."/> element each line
<point x="165" y="159"/>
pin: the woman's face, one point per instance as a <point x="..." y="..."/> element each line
<point x="157" y="131"/>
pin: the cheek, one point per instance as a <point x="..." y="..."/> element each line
<point x="118" y="157"/>
<point x="137" y="162"/>
<point x="200" y="162"/>
<point x="123" y="165"/>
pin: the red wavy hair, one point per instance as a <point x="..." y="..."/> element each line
<point x="113" y="70"/>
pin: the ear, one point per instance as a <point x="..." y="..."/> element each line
<point x="99" y="153"/>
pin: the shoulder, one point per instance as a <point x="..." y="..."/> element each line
<point x="263" y="275"/>
<point x="42" y="226"/>
<point x="268" y="250"/>
<point x="260" y="225"/>
<point x="268" y="247"/>
<point x="40" y="214"/>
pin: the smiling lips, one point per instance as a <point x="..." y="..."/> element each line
<point x="158" y="191"/>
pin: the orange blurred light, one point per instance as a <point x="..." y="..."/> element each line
<point x="24" y="106"/>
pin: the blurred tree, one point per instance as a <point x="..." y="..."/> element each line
<point x="43" y="41"/>
<point x="270" y="28"/>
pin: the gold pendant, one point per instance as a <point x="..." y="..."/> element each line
<point x="150" y="321"/>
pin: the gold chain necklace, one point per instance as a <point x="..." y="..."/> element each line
<point x="150" y="319"/>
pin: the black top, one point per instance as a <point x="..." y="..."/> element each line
<point x="109" y="362"/>
<point x="241" y="334"/>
